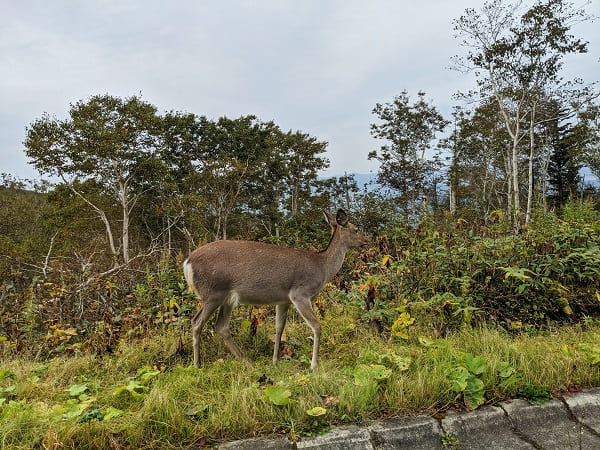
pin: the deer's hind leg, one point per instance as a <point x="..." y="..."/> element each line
<point x="198" y="322"/>
<point x="222" y="327"/>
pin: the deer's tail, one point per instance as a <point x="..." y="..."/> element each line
<point x="188" y="274"/>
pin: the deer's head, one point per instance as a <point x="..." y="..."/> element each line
<point x="348" y="233"/>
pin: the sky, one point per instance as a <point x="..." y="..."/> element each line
<point x="315" y="66"/>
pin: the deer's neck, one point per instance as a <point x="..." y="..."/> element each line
<point x="333" y="256"/>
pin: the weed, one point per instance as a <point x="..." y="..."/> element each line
<point x="362" y="376"/>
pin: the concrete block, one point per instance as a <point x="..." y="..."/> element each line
<point x="415" y="433"/>
<point x="549" y="425"/>
<point x="342" y="438"/>
<point x="259" y="444"/>
<point x="486" y="427"/>
<point x="585" y="406"/>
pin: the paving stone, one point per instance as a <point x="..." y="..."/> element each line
<point x="549" y="425"/>
<point x="414" y="433"/>
<point x="259" y="444"/>
<point x="342" y="438"/>
<point x="484" y="428"/>
<point x="585" y="406"/>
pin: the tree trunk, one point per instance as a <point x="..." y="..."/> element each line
<point x="101" y="214"/>
<point x="169" y="247"/>
<point x="294" y="199"/>
<point x="515" y="175"/>
<point x="509" y="194"/>
<point x="452" y="200"/>
<point x="125" y="234"/>
<point x="530" y="171"/>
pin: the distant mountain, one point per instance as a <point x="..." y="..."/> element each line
<point x="366" y="179"/>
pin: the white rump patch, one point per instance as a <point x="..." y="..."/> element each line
<point x="188" y="274"/>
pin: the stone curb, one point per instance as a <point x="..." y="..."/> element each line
<point x="569" y="422"/>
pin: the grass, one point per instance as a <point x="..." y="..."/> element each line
<point x="223" y="400"/>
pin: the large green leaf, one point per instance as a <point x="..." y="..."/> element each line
<point x="365" y="375"/>
<point x="146" y="374"/>
<point x="77" y="389"/>
<point x="402" y="363"/>
<point x="505" y="370"/>
<point x="475" y="364"/>
<point x="277" y="395"/>
<point x="458" y="378"/>
<point x="112" y="413"/>
<point x="316" y="411"/>
<point x="474" y="392"/>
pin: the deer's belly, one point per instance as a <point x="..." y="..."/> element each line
<point x="257" y="298"/>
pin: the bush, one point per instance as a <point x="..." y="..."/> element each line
<point x="549" y="273"/>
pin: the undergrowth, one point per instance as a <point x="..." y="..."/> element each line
<point x="146" y="394"/>
<point x="430" y="318"/>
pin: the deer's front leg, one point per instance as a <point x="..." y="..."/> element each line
<point x="304" y="307"/>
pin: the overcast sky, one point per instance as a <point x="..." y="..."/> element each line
<point x="314" y="66"/>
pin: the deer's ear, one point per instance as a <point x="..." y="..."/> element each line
<point x="329" y="218"/>
<point x="341" y="217"/>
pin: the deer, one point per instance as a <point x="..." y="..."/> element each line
<point x="227" y="273"/>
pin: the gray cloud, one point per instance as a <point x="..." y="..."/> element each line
<point x="315" y="66"/>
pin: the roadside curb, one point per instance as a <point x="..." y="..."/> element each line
<point x="572" y="421"/>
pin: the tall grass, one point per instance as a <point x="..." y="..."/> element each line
<point x="224" y="399"/>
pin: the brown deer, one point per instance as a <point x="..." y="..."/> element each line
<point x="226" y="273"/>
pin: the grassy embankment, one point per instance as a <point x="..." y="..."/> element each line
<point x="149" y="398"/>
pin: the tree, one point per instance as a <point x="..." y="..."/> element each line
<point x="300" y="153"/>
<point x="479" y="159"/>
<point x="564" y="169"/>
<point x="106" y="139"/>
<point x="338" y="191"/>
<point x="241" y="170"/>
<point x="517" y="61"/>
<point x="589" y="124"/>
<point x="409" y="131"/>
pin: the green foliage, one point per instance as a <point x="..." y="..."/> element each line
<point x="535" y="395"/>
<point x="372" y="374"/>
<point x="395" y="361"/>
<point x="77" y="389"/>
<point x="408" y="130"/>
<point x="4" y="374"/>
<point x="400" y="326"/>
<point x="278" y="395"/>
<point x="316" y="411"/>
<point x="591" y="352"/>
<point x="359" y="379"/>
<point x="465" y="378"/>
<point x="415" y="323"/>
<point x="449" y="278"/>
<point x="138" y="386"/>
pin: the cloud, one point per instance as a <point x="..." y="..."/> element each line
<point x="315" y="66"/>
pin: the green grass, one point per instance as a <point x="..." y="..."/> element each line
<point x="223" y="400"/>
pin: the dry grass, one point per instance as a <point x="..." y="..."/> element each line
<point x="224" y="399"/>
